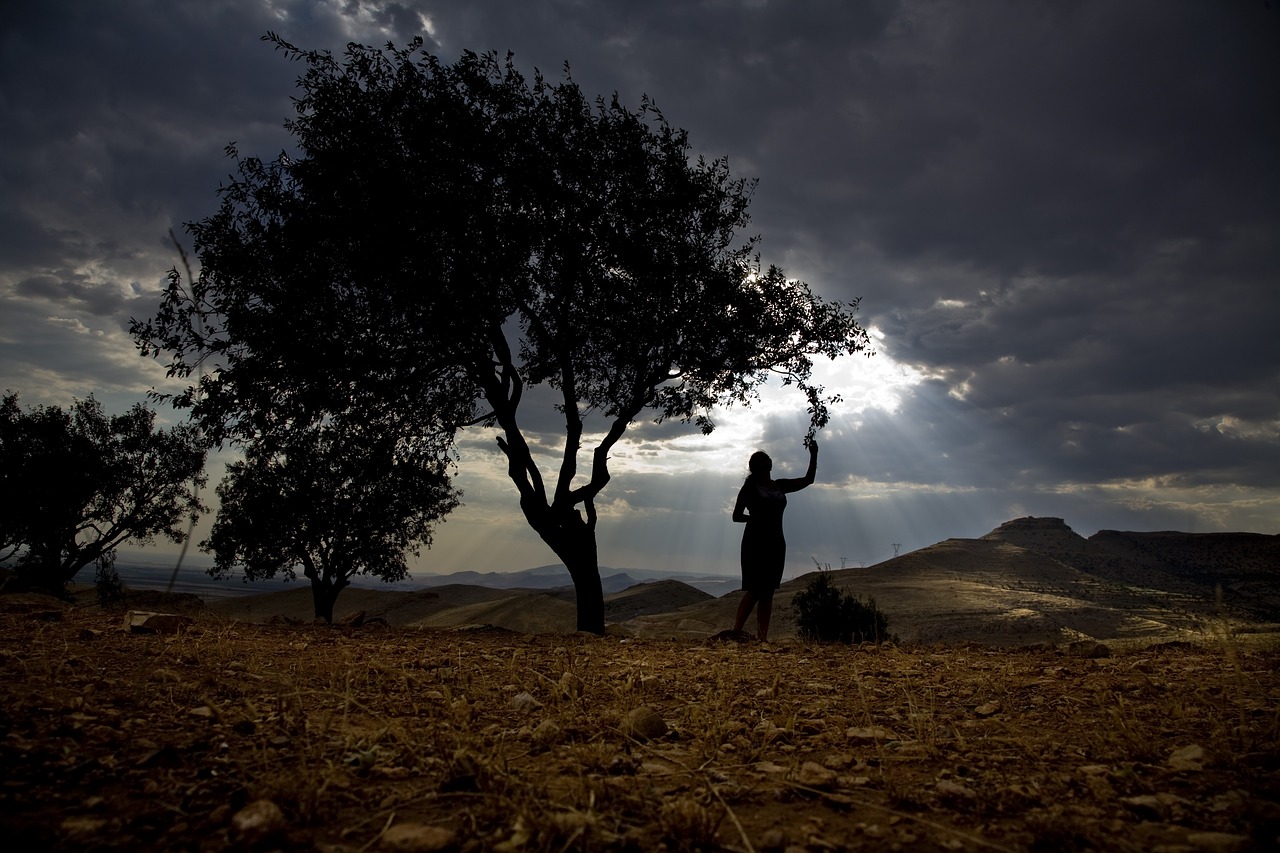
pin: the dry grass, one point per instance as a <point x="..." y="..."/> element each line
<point x="384" y="738"/>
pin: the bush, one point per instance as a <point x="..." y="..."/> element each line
<point x="828" y="615"/>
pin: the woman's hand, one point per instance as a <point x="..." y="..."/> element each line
<point x="812" y="473"/>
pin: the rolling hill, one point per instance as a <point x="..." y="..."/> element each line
<point x="1030" y="580"/>
<point x="1034" y="580"/>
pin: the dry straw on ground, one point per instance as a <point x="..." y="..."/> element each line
<point x="240" y="736"/>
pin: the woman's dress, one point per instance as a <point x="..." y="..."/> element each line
<point x="764" y="549"/>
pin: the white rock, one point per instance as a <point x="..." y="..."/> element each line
<point x="813" y="775"/>
<point x="867" y="733"/>
<point x="524" y="702"/>
<point x="1217" y="842"/>
<point x="258" y="819"/>
<point x="571" y="685"/>
<point x="1187" y="758"/>
<point x="548" y="734"/>
<point x="82" y="828"/>
<point x="947" y="788"/>
<point x="643" y="723"/>
<point x="148" y="622"/>
<point x="416" y="838"/>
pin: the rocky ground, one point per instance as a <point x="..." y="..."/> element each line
<point x="219" y="735"/>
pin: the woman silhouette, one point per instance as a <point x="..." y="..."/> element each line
<point x="761" y="501"/>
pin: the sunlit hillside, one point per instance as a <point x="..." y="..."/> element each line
<point x="1029" y="581"/>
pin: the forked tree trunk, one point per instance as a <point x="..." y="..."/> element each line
<point x="323" y="597"/>
<point x="325" y="586"/>
<point x="562" y="527"/>
<point x="54" y="563"/>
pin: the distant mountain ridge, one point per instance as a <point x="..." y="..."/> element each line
<point x="1245" y="567"/>
<point x="554" y="577"/>
<point x="1030" y="580"/>
<point x="1203" y="555"/>
<point x="1034" y="580"/>
<point x="458" y="605"/>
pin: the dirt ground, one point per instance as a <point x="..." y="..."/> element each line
<point x="237" y="736"/>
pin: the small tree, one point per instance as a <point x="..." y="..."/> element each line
<point x="76" y="484"/>
<point x="335" y="504"/>
<point x="826" y="614"/>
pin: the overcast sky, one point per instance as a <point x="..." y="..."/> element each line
<point x="1063" y="219"/>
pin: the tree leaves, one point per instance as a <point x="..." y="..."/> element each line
<point x="77" y="483"/>
<point x="333" y="502"/>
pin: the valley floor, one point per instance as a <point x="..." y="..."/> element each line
<point x="245" y="736"/>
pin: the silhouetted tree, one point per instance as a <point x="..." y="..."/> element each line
<point x="335" y="505"/>
<point x="449" y="236"/>
<point x="75" y="484"/>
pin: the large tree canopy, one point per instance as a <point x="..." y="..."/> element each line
<point x="76" y="483"/>
<point x="445" y="236"/>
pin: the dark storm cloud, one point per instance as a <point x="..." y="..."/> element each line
<point x="1053" y="139"/>
<point x="119" y="95"/>
<point x="1098" y="183"/>
<point x="1065" y="215"/>
<point x="74" y="289"/>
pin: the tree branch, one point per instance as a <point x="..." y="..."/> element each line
<point x="503" y="394"/>
<point x="573" y="432"/>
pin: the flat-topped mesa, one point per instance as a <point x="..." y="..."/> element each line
<point x="1030" y="522"/>
<point x="1037" y="533"/>
<point x="1053" y="538"/>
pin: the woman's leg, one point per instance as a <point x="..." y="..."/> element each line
<point x="744" y="609"/>
<point x="763" y="615"/>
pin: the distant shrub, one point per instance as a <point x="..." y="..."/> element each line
<point x="829" y="615"/>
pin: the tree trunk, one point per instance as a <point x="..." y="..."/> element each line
<point x="323" y="597"/>
<point x="44" y="569"/>
<point x="574" y="542"/>
<point x="570" y="536"/>
<point x="325" y="586"/>
<point x="587" y="592"/>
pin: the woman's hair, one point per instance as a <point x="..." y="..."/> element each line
<point x="759" y="464"/>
